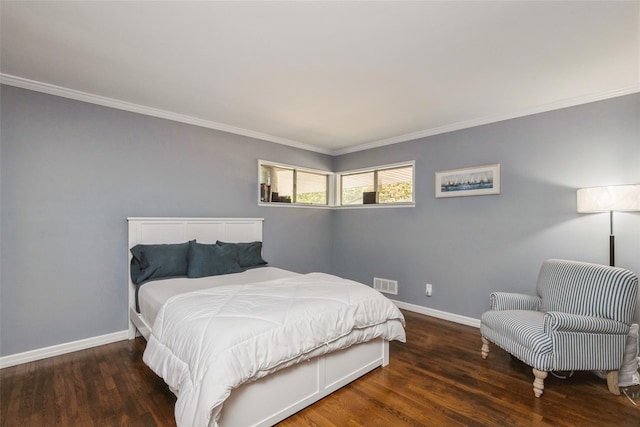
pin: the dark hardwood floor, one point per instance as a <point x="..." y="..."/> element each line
<point x="437" y="378"/>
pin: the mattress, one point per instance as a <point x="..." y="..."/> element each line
<point x="152" y="295"/>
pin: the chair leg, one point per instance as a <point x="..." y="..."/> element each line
<point x="485" y="347"/>
<point x="612" y="382"/>
<point x="538" y="383"/>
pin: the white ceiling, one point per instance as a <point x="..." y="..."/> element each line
<point x="334" y="77"/>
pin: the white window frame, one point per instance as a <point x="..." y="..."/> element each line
<point x="330" y="185"/>
<point x="376" y="169"/>
<point x="334" y="186"/>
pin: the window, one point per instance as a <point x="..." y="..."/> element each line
<point x="290" y="184"/>
<point x="287" y="185"/>
<point x="391" y="184"/>
<point x="354" y="186"/>
<point x="311" y="188"/>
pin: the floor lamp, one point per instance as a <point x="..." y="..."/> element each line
<point x="609" y="199"/>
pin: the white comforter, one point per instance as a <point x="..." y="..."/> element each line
<point x="205" y="343"/>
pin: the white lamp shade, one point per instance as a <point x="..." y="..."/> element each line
<point x="609" y="198"/>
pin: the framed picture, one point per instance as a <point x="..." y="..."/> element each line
<point x="474" y="181"/>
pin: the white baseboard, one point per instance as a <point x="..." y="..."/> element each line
<point x="56" y="350"/>
<point x="464" y="320"/>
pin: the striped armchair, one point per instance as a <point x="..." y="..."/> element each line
<point x="578" y="320"/>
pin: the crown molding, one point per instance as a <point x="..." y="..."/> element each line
<point x="149" y="111"/>
<point x="565" y="103"/>
<point x="168" y="115"/>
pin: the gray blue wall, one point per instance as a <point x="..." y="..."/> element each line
<point x="72" y="172"/>
<point x="468" y="246"/>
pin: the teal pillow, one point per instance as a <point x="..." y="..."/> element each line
<point x="153" y="262"/>
<point x="249" y="254"/>
<point x="212" y="260"/>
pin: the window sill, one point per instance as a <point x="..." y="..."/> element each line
<point x="293" y="205"/>
<point x="367" y="206"/>
<point x="378" y="206"/>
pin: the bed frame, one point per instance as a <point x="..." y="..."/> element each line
<point x="275" y="397"/>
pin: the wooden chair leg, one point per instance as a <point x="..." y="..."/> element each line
<point x="538" y="383"/>
<point x="612" y="382"/>
<point x="485" y="347"/>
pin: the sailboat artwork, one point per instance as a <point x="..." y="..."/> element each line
<point x="470" y="181"/>
<point x="475" y="181"/>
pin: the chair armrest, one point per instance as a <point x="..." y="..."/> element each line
<point x="555" y="321"/>
<point x="513" y="301"/>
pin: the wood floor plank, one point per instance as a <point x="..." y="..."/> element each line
<point x="437" y="378"/>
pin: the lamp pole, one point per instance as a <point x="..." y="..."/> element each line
<point x="612" y="242"/>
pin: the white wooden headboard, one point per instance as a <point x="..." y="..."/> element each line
<point x="179" y="230"/>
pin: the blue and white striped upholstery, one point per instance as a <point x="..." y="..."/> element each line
<point x="511" y="301"/>
<point x="588" y="289"/>
<point x="578" y="321"/>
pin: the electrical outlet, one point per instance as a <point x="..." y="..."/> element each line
<point x="428" y="289"/>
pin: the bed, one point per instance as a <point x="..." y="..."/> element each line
<point x="270" y="391"/>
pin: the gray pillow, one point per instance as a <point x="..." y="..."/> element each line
<point x="153" y="262"/>
<point x="212" y="260"/>
<point x="249" y="254"/>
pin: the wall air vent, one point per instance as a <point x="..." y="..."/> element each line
<point x="385" y="285"/>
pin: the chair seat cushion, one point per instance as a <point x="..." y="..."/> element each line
<point x="522" y="327"/>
